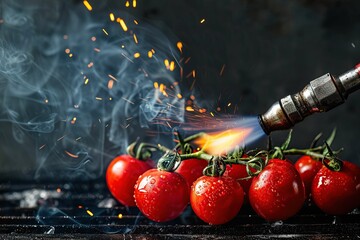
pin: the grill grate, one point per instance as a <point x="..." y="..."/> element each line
<point x="88" y="211"/>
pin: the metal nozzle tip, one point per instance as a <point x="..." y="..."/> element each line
<point x="262" y="125"/>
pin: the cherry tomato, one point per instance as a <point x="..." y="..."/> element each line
<point x="216" y="200"/>
<point x="337" y="193"/>
<point x="191" y="169"/>
<point x="308" y="168"/>
<point x="278" y="192"/>
<point x="160" y="195"/>
<point x="121" y="176"/>
<point x="238" y="171"/>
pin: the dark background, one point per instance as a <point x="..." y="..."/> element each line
<point x="270" y="49"/>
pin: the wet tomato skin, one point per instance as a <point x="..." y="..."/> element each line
<point x="278" y="192"/>
<point x="238" y="171"/>
<point x="191" y="169"/>
<point x="216" y="200"/>
<point x="160" y="195"/>
<point x="337" y="193"/>
<point x="121" y="176"/>
<point x="308" y="168"/>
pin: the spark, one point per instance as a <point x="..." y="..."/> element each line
<point x="134" y="3"/>
<point x="179" y="46"/>
<point x="192" y="85"/>
<point x="127" y="100"/>
<point x="222" y="70"/>
<point x="162" y="87"/>
<point x="136" y="55"/>
<point x="122" y="24"/>
<point x="135" y="39"/>
<point x="93" y="39"/>
<point x="172" y="66"/>
<point x="168" y="124"/>
<point x="229" y="104"/>
<point x="179" y="95"/>
<point x="70" y="55"/>
<point x="86" y="81"/>
<point x="353" y="45"/>
<point x="58" y="190"/>
<point x="78" y="139"/>
<point x="189" y="109"/>
<point x="136" y="22"/>
<point x="112" y="17"/>
<point x="110" y="98"/>
<point x="96" y="50"/>
<point x="211" y="113"/>
<point x="89" y="212"/>
<point x="67" y="51"/>
<point x="46" y="101"/>
<point x="202" y="20"/>
<point x="90" y="64"/>
<point x="193" y="73"/>
<point x="60" y="138"/>
<point x="153" y="51"/>
<point x="73" y="120"/>
<point x="87" y="5"/>
<point x="218" y="109"/>
<point x="166" y="62"/>
<point x="98" y="98"/>
<point x="190" y="73"/>
<point x="156" y="85"/>
<point x="120" y="215"/>
<point x="71" y="154"/>
<point x="127" y="57"/>
<point x="202" y="110"/>
<point x="127" y="4"/>
<point x="150" y="54"/>
<point x="110" y="84"/>
<point x="42" y="147"/>
<point x="105" y="31"/>
<point x="112" y="77"/>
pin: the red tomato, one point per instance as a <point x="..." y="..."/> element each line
<point x="216" y="200"/>
<point x="121" y="176"/>
<point x="337" y="193"/>
<point x="278" y="192"/>
<point x="191" y="169"/>
<point x="160" y="195"/>
<point x="237" y="171"/>
<point x="308" y="168"/>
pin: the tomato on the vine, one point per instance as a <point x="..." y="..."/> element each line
<point x="121" y="176"/>
<point x="307" y="168"/>
<point x="238" y="171"/>
<point x="277" y="192"/>
<point x="337" y="192"/>
<point x="160" y="195"/>
<point x="216" y="200"/>
<point x="191" y="169"/>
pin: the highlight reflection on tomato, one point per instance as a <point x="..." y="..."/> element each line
<point x="160" y="195"/>
<point x="278" y="192"/>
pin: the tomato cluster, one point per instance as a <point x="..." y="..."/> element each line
<point x="277" y="192"/>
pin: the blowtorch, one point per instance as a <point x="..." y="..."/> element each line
<point x="320" y="95"/>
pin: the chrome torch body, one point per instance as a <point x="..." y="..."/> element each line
<point x="320" y="95"/>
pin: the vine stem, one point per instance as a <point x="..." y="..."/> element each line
<point x="310" y="152"/>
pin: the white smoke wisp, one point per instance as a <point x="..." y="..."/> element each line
<point x="73" y="91"/>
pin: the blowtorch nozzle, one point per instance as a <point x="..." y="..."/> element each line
<point x="320" y="95"/>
